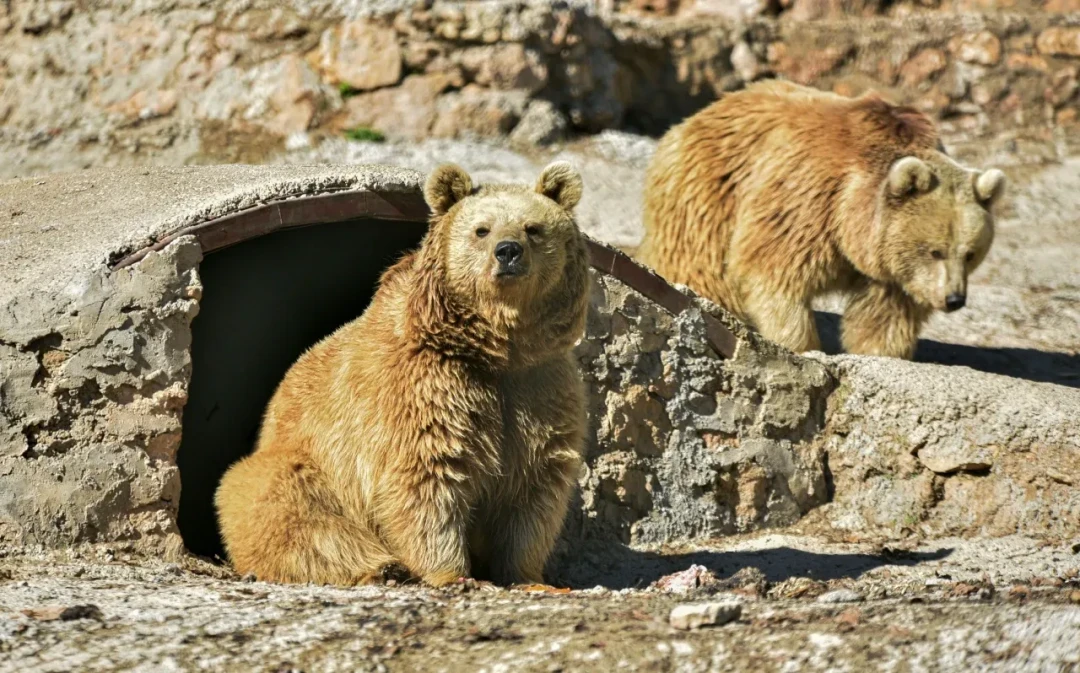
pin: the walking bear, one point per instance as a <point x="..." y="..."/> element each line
<point x="779" y="193"/>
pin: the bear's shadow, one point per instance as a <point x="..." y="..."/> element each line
<point x="620" y="567"/>
<point x="1024" y="363"/>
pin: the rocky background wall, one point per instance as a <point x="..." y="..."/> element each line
<point x="169" y="83"/>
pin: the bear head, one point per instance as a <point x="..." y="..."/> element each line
<point x="505" y="244"/>
<point x="935" y="226"/>
<point x="504" y="267"/>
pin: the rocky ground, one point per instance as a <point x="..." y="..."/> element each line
<point x="794" y="603"/>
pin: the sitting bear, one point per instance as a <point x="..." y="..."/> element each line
<point x="779" y="193"/>
<point x="442" y="429"/>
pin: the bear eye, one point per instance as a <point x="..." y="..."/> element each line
<point x="970" y="256"/>
<point x="937" y="254"/>
<point x="482" y="232"/>
<point x="533" y="230"/>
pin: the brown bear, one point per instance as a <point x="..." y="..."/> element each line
<point x="442" y="429"/>
<point x="779" y="193"/>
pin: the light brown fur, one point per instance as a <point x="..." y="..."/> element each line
<point x="442" y="429"/>
<point x="779" y="193"/>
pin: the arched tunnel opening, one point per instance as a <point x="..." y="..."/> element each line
<point x="265" y="301"/>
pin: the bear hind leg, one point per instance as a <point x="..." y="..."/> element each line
<point x="281" y="522"/>
<point x="788" y="321"/>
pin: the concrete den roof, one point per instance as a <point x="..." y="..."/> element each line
<point x="57" y="231"/>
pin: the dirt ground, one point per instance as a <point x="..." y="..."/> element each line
<point x="993" y="605"/>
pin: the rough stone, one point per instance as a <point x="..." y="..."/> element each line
<point x="903" y="438"/>
<point x="204" y="618"/>
<point x="840" y="596"/>
<point x="735" y="10"/>
<point x="923" y="66"/>
<point x="1059" y="41"/>
<point x="808" y="66"/>
<point x="686" y="581"/>
<point x="681" y="444"/>
<point x="118" y="84"/>
<point x="745" y="62"/>
<point x="542" y="124"/>
<point x="983" y="48"/>
<point x="955" y="455"/>
<point x="362" y="55"/>
<point x="475" y="112"/>
<point x="97" y="462"/>
<point x="510" y="66"/>
<point x="697" y="615"/>
<point x="283" y="96"/>
<point x="407" y="111"/>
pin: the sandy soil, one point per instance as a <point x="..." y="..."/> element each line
<point x="1001" y="605"/>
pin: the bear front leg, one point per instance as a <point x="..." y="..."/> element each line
<point x="786" y="320"/>
<point x="426" y="527"/>
<point x="882" y="320"/>
<point x="522" y="534"/>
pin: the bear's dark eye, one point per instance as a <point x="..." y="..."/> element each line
<point x="533" y="230"/>
<point x="937" y="254"/>
<point x="482" y="232"/>
<point x="970" y="256"/>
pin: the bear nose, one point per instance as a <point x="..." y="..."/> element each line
<point x="508" y="252"/>
<point x="955" y="302"/>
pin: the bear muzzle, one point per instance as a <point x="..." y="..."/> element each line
<point x="510" y="256"/>
<point x="955" y="302"/>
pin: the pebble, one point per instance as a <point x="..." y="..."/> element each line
<point x="695" y="615"/>
<point x="840" y="596"/>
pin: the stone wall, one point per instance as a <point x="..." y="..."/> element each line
<point x="686" y="445"/>
<point x="172" y="83"/>
<point x="92" y="388"/>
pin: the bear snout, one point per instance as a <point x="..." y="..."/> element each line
<point x="955" y="302"/>
<point x="509" y="255"/>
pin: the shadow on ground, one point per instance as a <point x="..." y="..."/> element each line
<point x="1022" y="363"/>
<point x="623" y="567"/>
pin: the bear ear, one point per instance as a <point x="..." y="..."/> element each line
<point x="446" y="185"/>
<point x="910" y="175"/>
<point x="989" y="186"/>
<point x="561" y="183"/>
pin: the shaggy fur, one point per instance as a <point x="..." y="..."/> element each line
<point x="442" y="430"/>
<point x="779" y="193"/>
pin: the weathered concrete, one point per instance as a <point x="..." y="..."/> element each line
<point x="927" y="450"/>
<point x="684" y="444"/>
<point x="92" y="382"/>
<point x="54" y="228"/>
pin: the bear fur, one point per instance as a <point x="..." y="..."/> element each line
<point x="442" y="430"/>
<point x="780" y="193"/>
